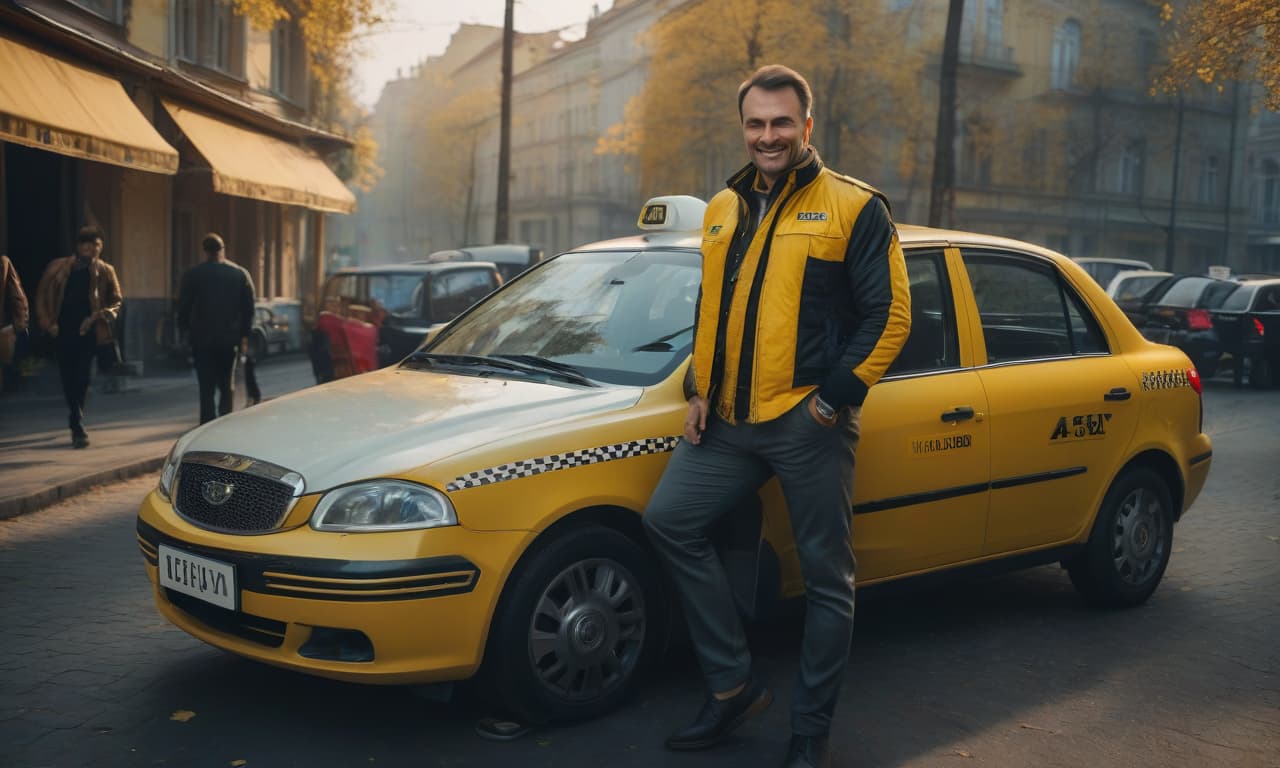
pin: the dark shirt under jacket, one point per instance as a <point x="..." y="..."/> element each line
<point x="215" y="304"/>
<point x="75" y="303"/>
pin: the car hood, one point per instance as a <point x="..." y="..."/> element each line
<point x="387" y="422"/>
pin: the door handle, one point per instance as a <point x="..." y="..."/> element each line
<point x="1117" y="393"/>
<point x="959" y="414"/>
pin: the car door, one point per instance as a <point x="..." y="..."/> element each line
<point x="1061" y="406"/>
<point x="920" y="492"/>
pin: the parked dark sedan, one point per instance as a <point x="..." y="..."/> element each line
<point x="1248" y="325"/>
<point x="1179" y="313"/>
<point x="270" y="332"/>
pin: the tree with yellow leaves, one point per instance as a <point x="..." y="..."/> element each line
<point x="1220" y="40"/>
<point x="329" y="29"/>
<point x="682" y="134"/>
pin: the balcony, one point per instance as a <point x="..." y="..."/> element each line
<point x="990" y="57"/>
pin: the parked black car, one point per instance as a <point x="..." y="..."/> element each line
<point x="1248" y="325"/>
<point x="1179" y="313"/>
<point x="270" y="332"/>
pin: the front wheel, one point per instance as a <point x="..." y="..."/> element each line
<point x="580" y="618"/>
<point x="1129" y="547"/>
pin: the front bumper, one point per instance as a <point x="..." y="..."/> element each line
<point x="385" y="608"/>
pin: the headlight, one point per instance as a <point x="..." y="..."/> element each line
<point x="383" y="505"/>
<point x="169" y="473"/>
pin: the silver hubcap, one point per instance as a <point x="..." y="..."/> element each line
<point x="1138" y="537"/>
<point x="587" y="630"/>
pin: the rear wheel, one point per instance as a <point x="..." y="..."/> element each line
<point x="1128" y="549"/>
<point x="579" y="620"/>
<point x="1261" y="373"/>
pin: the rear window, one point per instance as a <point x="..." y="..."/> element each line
<point x="1215" y="293"/>
<point x="1239" y="299"/>
<point x="1183" y="293"/>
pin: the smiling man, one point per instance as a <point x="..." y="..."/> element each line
<point x="804" y="304"/>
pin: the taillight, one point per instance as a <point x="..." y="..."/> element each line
<point x="1193" y="378"/>
<point x="1257" y="326"/>
<point x="1199" y="320"/>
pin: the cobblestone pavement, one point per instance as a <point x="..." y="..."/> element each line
<point x="1010" y="671"/>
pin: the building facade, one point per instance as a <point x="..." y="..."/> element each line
<point x="159" y="121"/>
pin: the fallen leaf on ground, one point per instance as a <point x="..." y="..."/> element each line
<point x="1274" y="538"/>
<point x="238" y="763"/>
<point x="1031" y="727"/>
<point x="962" y="753"/>
<point x="1184" y="589"/>
<point x="182" y="715"/>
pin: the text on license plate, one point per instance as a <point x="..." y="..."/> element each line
<point x="201" y="577"/>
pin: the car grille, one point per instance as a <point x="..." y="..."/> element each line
<point x="255" y="503"/>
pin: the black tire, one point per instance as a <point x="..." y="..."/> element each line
<point x="258" y="346"/>
<point x="558" y="650"/>
<point x="1261" y="373"/>
<point x="1128" y="549"/>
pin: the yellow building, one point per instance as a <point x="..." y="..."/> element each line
<point x="160" y="120"/>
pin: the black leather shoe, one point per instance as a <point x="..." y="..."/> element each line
<point x="808" y="752"/>
<point x="719" y="717"/>
<point x="80" y="440"/>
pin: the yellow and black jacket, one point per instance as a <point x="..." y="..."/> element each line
<point x="819" y="297"/>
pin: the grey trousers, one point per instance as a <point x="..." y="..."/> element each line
<point x="702" y="482"/>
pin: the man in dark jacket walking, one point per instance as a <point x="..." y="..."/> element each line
<point x="215" y="310"/>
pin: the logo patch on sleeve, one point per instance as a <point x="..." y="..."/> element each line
<point x="811" y="216"/>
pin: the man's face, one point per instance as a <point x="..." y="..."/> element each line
<point x="88" y="249"/>
<point x="775" y="129"/>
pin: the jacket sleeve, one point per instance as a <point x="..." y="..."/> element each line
<point x="111" y="297"/>
<point x="877" y="276"/>
<point x="246" y="305"/>
<point x="15" y="298"/>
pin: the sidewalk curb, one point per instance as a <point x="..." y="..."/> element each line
<point x="21" y="505"/>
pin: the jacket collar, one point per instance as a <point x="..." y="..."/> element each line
<point x="801" y="174"/>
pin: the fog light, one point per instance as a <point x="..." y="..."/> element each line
<point x="332" y="644"/>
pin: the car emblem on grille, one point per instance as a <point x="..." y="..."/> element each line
<point x="216" y="493"/>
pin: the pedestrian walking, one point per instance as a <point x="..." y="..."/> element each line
<point x="14" y="314"/>
<point x="76" y="301"/>
<point x="804" y="304"/>
<point x="215" y="310"/>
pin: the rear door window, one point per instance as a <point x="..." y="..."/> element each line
<point x="1028" y="312"/>
<point x="933" y="344"/>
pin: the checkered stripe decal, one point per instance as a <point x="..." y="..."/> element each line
<point x="530" y="467"/>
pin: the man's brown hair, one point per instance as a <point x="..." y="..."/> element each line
<point x="775" y="77"/>
<point x="211" y="243"/>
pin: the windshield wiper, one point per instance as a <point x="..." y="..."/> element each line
<point x="525" y="364"/>
<point x="660" y="344"/>
<point x="542" y="364"/>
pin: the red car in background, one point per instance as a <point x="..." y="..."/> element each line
<point x="372" y="317"/>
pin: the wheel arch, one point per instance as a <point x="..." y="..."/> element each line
<point x="1166" y="467"/>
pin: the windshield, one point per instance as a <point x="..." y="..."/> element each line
<point x="620" y="317"/>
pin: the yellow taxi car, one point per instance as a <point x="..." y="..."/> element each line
<point x="474" y="511"/>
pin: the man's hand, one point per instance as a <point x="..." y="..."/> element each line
<point x="696" y="422"/>
<point x="85" y="325"/>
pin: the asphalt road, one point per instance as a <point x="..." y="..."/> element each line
<point x="1009" y="671"/>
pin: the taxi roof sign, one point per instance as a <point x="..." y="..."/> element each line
<point x="672" y="213"/>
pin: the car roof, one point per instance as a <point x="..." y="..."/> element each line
<point x="1260" y="281"/>
<point x="415" y="268"/>
<point x="1135" y="263"/>
<point x="910" y="235"/>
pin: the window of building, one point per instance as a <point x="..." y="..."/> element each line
<point x="107" y="9"/>
<point x="288" y="64"/>
<point x="1269" y="192"/>
<point x="975" y="153"/>
<point x="208" y="33"/>
<point x="1066" y="54"/>
<point x="1035" y="158"/>
<point x="968" y="29"/>
<point x="1129" y="168"/>
<point x="993" y="20"/>
<point x="1209" y="179"/>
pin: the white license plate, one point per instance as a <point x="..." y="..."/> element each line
<point x="203" y="578"/>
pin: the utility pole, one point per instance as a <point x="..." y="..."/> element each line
<point x="1231" y="167"/>
<point x="501" y="228"/>
<point x="1172" y="231"/>
<point x="942" y="194"/>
